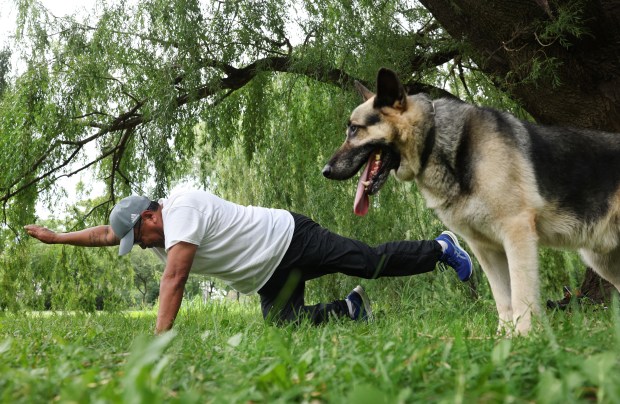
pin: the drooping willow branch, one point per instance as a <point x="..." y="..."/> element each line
<point x="232" y="79"/>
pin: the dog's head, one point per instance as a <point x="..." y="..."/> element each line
<point x="379" y="133"/>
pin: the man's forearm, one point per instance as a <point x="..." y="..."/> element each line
<point x="99" y="236"/>
<point x="170" y="297"/>
<point x="180" y="258"/>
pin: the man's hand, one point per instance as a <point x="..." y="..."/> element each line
<point x="41" y="233"/>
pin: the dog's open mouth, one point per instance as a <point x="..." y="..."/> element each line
<point x="380" y="161"/>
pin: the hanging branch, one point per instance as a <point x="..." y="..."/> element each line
<point x="232" y="79"/>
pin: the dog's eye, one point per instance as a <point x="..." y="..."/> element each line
<point x="352" y="130"/>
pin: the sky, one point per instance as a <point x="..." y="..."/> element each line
<point x="59" y="8"/>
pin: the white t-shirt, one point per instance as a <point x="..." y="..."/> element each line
<point x="241" y="245"/>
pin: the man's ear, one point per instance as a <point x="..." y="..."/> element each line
<point x="148" y="214"/>
<point x="390" y="91"/>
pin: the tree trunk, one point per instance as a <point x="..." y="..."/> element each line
<point x="596" y="289"/>
<point x="507" y="37"/>
<point x="583" y="87"/>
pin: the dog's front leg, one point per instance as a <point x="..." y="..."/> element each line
<point x="521" y="245"/>
<point x="495" y="266"/>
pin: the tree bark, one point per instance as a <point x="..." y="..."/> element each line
<point x="595" y="288"/>
<point x="506" y="36"/>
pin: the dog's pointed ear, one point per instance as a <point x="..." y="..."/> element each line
<point x="364" y="92"/>
<point x="390" y="91"/>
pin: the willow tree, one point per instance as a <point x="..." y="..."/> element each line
<point x="250" y="97"/>
<point x="132" y="82"/>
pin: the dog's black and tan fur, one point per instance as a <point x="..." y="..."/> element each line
<point x="504" y="185"/>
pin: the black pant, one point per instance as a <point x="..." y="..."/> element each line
<point x="315" y="251"/>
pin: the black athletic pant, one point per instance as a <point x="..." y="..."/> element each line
<point x="315" y="251"/>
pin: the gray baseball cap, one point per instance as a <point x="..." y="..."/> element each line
<point x="124" y="217"/>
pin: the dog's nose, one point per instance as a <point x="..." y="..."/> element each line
<point x="327" y="171"/>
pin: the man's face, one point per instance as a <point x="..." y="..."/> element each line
<point x="145" y="232"/>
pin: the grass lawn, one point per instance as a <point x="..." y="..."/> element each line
<point x="427" y="351"/>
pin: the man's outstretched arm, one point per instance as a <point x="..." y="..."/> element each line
<point x="99" y="236"/>
<point x="172" y="285"/>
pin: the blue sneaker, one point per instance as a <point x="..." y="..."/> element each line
<point x="359" y="304"/>
<point x="455" y="256"/>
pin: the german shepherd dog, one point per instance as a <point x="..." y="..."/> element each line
<point x="503" y="184"/>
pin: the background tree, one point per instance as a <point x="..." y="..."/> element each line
<point x="250" y="98"/>
<point x="146" y="269"/>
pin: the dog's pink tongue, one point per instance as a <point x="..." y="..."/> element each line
<point x="360" y="206"/>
